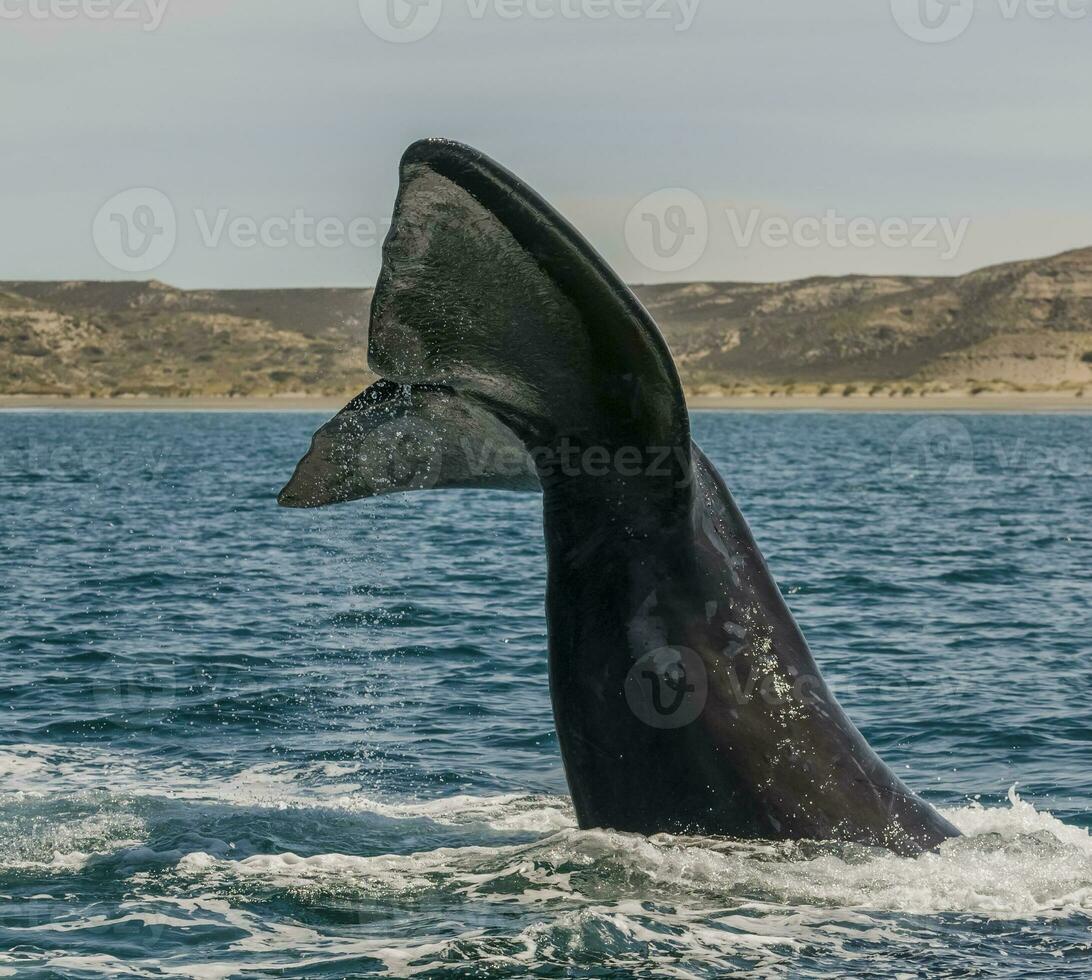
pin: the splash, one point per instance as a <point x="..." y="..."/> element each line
<point x="554" y="897"/>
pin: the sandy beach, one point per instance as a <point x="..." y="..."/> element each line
<point x="954" y="401"/>
<point x="138" y="403"/>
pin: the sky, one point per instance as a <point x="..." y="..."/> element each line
<point x="255" y="143"/>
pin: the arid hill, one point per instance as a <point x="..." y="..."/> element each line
<point x="114" y="338"/>
<point x="1023" y="325"/>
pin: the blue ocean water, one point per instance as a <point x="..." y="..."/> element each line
<point x="239" y="741"/>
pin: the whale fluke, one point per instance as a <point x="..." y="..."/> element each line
<point x="685" y="695"/>
<point x="395" y="438"/>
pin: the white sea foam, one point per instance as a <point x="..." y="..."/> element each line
<point x="1015" y="862"/>
<point x="28" y="771"/>
<point x="633" y="903"/>
<point x="660" y="904"/>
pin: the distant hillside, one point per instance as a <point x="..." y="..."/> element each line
<point x="1024" y="324"/>
<point x="1019" y="325"/>
<point x="98" y="338"/>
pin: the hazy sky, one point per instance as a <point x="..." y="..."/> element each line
<point x="718" y="139"/>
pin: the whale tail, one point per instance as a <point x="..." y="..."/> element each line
<point x="512" y="357"/>
<point x="495" y="326"/>
<point x="395" y="438"/>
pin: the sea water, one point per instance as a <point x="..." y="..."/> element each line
<point x="238" y="741"/>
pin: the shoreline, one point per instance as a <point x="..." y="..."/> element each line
<point x="199" y="403"/>
<point x="1016" y="402"/>
<point x="954" y="401"/>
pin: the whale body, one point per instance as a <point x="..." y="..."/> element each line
<point x="511" y="357"/>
